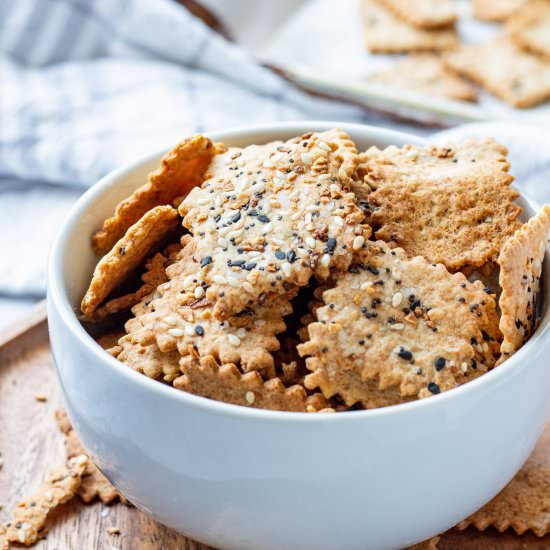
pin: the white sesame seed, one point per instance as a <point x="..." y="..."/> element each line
<point x="397" y="326"/>
<point x="268" y="227"/>
<point x="366" y="285"/>
<point x="268" y="164"/>
<point x="258" y="187"/>
<point x="235" y="233"/>
<point x="189" y="330"/>
<point x="412" y="154"/>
<point x="218" y="201"/>
<point x="323" y="177"/>
<point x="325" y="260"/>
<point x="338" y="221"/>
<point x="241" y="333"/>
<point x="233" y="281"/>
<point x="307" y="218"/>
<point x="324" y="145"/>
<point x="358" y="242"/>
<point x="485" y="347"/>
<point x="464" y="367"/>
<point x="266" y="208"/>
<point x="277" y="157"/>
<point x="250" y="397"/>
<point x="286" y="268"/>
<point x="222" y="242"/>
<point x="223" y="231"/>
<point x="396" y="275"/>
<point x="278" y="182"/>
<point x="248" y="287"/>
<point x="234" y="340"/>
<point x="280" y="174"/>
<point x="310" y="241"/>
<point x="203" y="201"/>
<point x="240" y="161"/>
<point x="306" y="158"/>
<point x="188" y="281"/>
<point x="219" y="279"/>
<point x="397" y="299"/>
<point x="199" y="292"/>
<point x="176" y="332"/>
<point x="334" y="188"/>
<point x="169" y="320"/>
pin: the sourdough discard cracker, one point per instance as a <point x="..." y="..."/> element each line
<point x="181" y="317"/>
<point x="425" y="14"/>
<point x="520" y="262"/>
<point x="226" y="383"/>
<point x="127" y="254"/>
<point x="31" y="514"/>
<point x="93" y="483"/>
<point x="181" y="170"/>
<point x="425" y="74"/>
<point x="530" y="27"/>
<point x="272" y="216"/>
<point x="386" y="33"/>
<point x="402" y="323"/>
<point x="505" y="69"/>
<point x="524" y="504"/>
<point x="452" y="205"/>
<point x="496" y="10"/>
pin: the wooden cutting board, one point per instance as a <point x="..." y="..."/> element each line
<point x="31" y="444"/>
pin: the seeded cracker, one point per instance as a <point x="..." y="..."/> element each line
<point x="127" y="254"/>
<point x="495" y="10"/>
<point x="425" y="74"/>
<point x="452" y="205"/>
<point x="395" y="328"/>
<point x="94" y="484"/>
<point x="181" y="317"/>
<point x="426" y="14"/>
<point x="181" y="169"/>
<point x="31" y="514"/>
<point x="524" y="504"/>
<point x="520" y="267"/>
<point x="387" y="33"/>
<point x="226" y="383"/>
<point x="282" y="213"/>
<point x="530" y="27"/>
<point x="516" y="76"/>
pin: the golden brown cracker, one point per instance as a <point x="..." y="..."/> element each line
<point x="31" y="514"/>
<point x="496" y="10"/>
<point x="386" y="33"/>
<point x="424" y="14"/>
<point x="425" y="74"/>
<point x="271" y="216"/>
<point x="398" y="323"/>
<point x="524" y="504"/>
<point x="181" y="169"/>
<point x="452" y="205"/>
<point x="520" y="262"/>
<point x="516" y="76"/>
<point x="127" y="254"/>
<point x="530" y="27"/>
<point x="93" y="484"/>
<point x="226" y="383"/>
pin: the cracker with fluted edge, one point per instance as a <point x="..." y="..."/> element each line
<point x="496" y="10"/>
<point x="424" y="14"/>
<point x="181" y="169"/>
<point x="520" y="262"/>
<point x="386" y="33"/>
<point x="516" y="76"/>
<point x="425" y="74"/>
<point x="452" y="205"/>
<point x="31" y="514"/>
<point x="524" y="504"/>
<point x="530" y="27"/>
<point x="204" y="376"/>
<point x="271" y="216"/>
<point x="394" y="323"/>
<point x="430" y="544"/>
<point x="128" y="253"/>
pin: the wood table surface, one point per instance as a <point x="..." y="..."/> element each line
<point x="31" y="445"/>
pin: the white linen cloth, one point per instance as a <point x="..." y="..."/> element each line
<point x="87" y="85"/>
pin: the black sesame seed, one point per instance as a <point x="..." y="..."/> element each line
<point x="206" y="260"/>
<point x="253" y="212"/>
<point x="324" y="350"/>
<point x="462" y="299"/>
<point x="361" y="342"/>
<point x="249" y="266"/>
<point x="280" y="255"/>
<point x="439" y="363"/>
<point x="434" y="388"/>
<point x="199" y="330"/>
<point x="373" y="270"/>
<point x="331" y="245"/>
<point x="291" y="256"/>
<point x="263" y="218"/>
<point x="235" y="218"/>
<point x="405" y="354"/>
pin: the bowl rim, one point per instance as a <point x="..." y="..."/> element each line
<point x="57" y="295"/>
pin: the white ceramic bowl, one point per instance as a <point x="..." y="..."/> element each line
<point x="234" y="477"/>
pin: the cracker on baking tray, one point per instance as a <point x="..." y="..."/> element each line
<point x="505" y="69"/>
<point x="386" y="33"/>
<point x="520" y="262"/>
<point x="204" y="376"/>
<point x="127" y="255"/>
<point x="399" y="328"/>
<point x="181" y="169"/>
<point x="425" y="73"/>
<point x="530" y="27"/>
<point x="524" y="504"/>
<point x="452" y="205"/>
<point x="496" y="10"/>
<point x="94" y="485"/>
<point x="181" y="317"/>
<point x="425" y="14"/>
<point x="272" y="216"/>
<point x="31" y="514"/>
